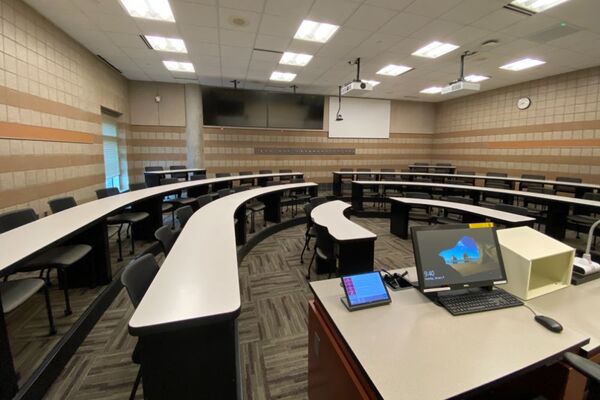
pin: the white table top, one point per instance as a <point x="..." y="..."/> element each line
<point x="489" y="212"/>
<point x="174" y="171"/>
<point x="28" y="239"/>
<point x="483" y="177"/>
<point x="414" y="349"/>
<point x="331" y="216"/>
<point x="199" y="278"/>
<point x="576" y="307"/>
<point x="541" y="196"/>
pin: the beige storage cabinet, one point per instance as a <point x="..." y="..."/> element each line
<point x="535" y="264"/>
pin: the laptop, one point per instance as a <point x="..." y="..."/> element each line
<point x="459" y="265"/>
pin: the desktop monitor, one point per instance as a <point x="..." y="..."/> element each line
<point x="453" y="257"/>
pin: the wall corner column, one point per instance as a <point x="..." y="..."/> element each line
<point x="193" y="126"/>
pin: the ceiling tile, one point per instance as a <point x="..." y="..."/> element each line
<point x="279" y="26"/>
<point x="285" y="8"/>
<point x="199" y="34"/>
<point x="431" y="8"/>
<point x="369" y="18"/>
<point x="269" y="42"/>
<point x="435" y="30"/>
<point x="236" y="38"/>
<point x="193" y="14"/>
<point x="248" y="5"/>
<point x="499" y="20"/>
<point x="332" y="11"/>
<point x="404" y="24"/>
<point x="227" y="18"/>
<point x="470" y="10"/>
<point x="204" y="49"/>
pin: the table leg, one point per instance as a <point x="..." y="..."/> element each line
<point x="145" y="229"/>
<point x="357" y="197"/>
<point x="337" y="185"/>
<point x="8" y="375"/>
<point x="399" y="219"/>
<point x="356" y="256"/>
<point x="556" y="224"/>
<point x="272" y="203"/>
<point x="240" y="227"/>
<point x="313" y="191"/>
<point x="152" y="180"/>
<point x="100" y="266"/>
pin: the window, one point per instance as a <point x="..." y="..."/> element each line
<point x="111" y="152"/>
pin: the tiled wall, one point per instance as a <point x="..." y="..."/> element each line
<point x="558" y="135"/>
<point x="51" y="90"/>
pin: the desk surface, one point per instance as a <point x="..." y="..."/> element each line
<point x="483" y="177"/>
<point x="174" y="171"/>
<point x="198" y="280"/>
<point x="331" y="216"/>
<point x="419" y="350"/>
<point x="489" y="212"/>
<point x="541" y="196"/>
<point x="28" y="239"/>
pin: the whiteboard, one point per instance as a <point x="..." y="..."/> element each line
<point x="363" y="118"/>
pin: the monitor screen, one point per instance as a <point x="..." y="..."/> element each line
<point x="456" y="256"/>
<point x="365" y="289"/>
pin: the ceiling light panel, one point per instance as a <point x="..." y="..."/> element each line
<point x="372" y="83"/>
<point x="537" y="5"/>
<point x="299" y="60"/>
<point x="522" y="64"/>
<point x="166" y="44"/>
<point x="432" y="90"/>
<point x="435" y="49"/>
<point x="178" y="66"/>
<point x="315" y="31"/>
<point x="282" y="76"/>
<point x="476" y="78"/>
<point x="393" y="70"/>
<point x="159" y="10"/>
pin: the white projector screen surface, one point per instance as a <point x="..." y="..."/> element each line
<point x="363" y="118"/>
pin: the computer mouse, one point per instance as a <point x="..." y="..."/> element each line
<point x="549" y="323"/>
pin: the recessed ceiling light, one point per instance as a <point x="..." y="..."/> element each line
<point x="476" y="78"/>
<point x="523" y="64"/>
<point x="393" y="70"/>
<point x="315" y="31"/>
<point x="179" y="66"/>
<point x="166" y="44"/>
<point x="536" y="5"/>
<point x="299" y="60"/>
<point x="149" y="9"/>
<point x="282" y="76"/>
<point x="435" y="49"/>
<point x="432" y="90"/>
<point x="372" y="83"/>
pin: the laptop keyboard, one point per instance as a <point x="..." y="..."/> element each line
<point x="481" y="301"/>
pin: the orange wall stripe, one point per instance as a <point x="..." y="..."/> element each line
<point x="11" y="130"/>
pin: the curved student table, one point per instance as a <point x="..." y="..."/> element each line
<point x="558" y="206"/>
<point x="401" y="207"/>
<point x="187" y="318"/>
<point x="579" y="187"/>
<point x="86" y="223"/>
<point x="356" y="245"/>
<point x="413" y="167"/>
<point x="153" y="178"/>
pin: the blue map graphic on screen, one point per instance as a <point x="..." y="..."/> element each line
<point x="465" y="251"/>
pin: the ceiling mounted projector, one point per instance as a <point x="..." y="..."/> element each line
<point x="460" y="84"/>
<point x="356" y="84"/>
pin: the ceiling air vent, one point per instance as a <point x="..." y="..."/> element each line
<point x="107" y="63"/>
<point x="511" y="7"/>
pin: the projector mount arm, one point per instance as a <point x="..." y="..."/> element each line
<point x="357" y="63"/>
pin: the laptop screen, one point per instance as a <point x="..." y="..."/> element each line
<point x="456" y="257"/>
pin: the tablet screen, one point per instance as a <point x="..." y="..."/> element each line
<point x="365" y="289"/>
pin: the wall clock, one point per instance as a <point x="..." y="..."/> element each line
<point x="523" y="103"/>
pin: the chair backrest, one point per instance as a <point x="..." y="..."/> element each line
<point x="168" y="181"/>
<point x="137" y="186"/>
<point x="417" y="195"/>
<point x="172" y="167"/>
<point x="179" y="174"/>
<point x="346" y="169"/>
<point x="265" y="171"/>
<point x="137" y="277"/>
<point x="420" y="163"/>
<point x="273" y="183"/>
<point x="183" y="214"/>
<point x="388" y="170"/>
<point x="502" y="174"/>
<point x="458" y="199"/>
<point x="443" y="164"/>
<point x="363" y="169"/>
<point x="203" y="200"/>
<point x="529" y="185"/>
<point x="197" y="177"/>
<point x="511" y="209"/>
<point x="530" y="176"/>
<point x="285" y="171"/>
<point x="62" y="203"/>
<point x="242" y="173"/>
<point x="566" y="188"/>
<point x="13" y="219"/>
<point x="107" y="192"/>
<point x="499" y="184"/>
<point x="324" y="241"/>
<point x="224" y="192"/>
<point x="153" y="168"/>
<point x="465" y="172"/>
<point x="222" y="174"/>
<point x="363" y="177"/>
<point x="166" y="238"/>
<point x="241" y="188"/>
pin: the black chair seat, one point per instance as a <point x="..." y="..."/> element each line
<point x="14" y="293"/>
<point x="62" y="256"/>
<point x="166" y="207"/>
<point x="127" y="218"/>
<point x="582" y="219"/>
<point x="255" y="206"/>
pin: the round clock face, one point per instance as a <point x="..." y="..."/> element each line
<point x="523" y="103"/>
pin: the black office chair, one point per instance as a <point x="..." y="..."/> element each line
<point x="177" y="198"/>
<point x="183" y="214"/>
<point x="495" y="184"/>
<point x="369" y="191"/>
<point x="584" y="217"/>
<point x="255" y="206"/>
<point x="166" y="207"/>
<point x="346" y="179"/>
<point x="324" y="249"/>
<point x="128" y="218"/>
<point x="453" y="216"/>
<point x="61" y="204"/>
<point x="311" y="232"/>
<point x="420" y="213"/>
<point x="224" y="192"/>
<point x="246" y="182"/>
<point x="151" y="168"/>
<point x="179" y="175"/>
<point x="60" y="258"/>
<point x="166" y="237"/>
<point x="285" y="179"/>
<point x="136" y="278"/>
<point x="566" y="188"/>
<point x="197" y="177"/>
<point x="299" y="196"/>
<point x="588" y="368"/>
<point x="16" y="292"/>
<point x="203" y="200"/>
